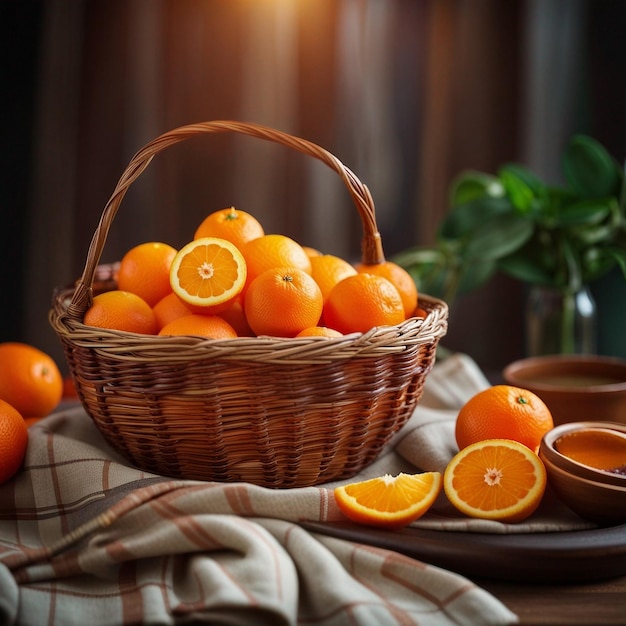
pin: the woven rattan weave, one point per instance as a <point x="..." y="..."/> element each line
<point x="270" y="411"/>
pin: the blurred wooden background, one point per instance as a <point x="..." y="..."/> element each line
<point x="407" y="93"/>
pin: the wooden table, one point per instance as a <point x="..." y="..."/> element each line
<point x="590" y="604"/>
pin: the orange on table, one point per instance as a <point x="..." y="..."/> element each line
<point x="361" y="302"/>
<point x="211" y="326"/>
<point x="30" y="380"/>
<point x="328" y="270"/>
<point x="495" y="479"/>
<point x="319" y="331"/>
<point x="207" y="272"/>
<point x="270" y="251"/>
<point x="13" y="441"/>
<point x="399" y="278"/>
<point x="121" y="310"/>
<point x="145" y="271"/>
<point x="231" y="224"/>
<point x="389" y="501"/>
<point x="503" y="412"/>
<point x="283" y="301"/>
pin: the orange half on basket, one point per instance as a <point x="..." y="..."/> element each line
<point x="207" y="272"/>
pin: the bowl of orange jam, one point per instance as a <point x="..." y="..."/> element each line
<point x="586" y="467"/>
<point x="575" y="387"/>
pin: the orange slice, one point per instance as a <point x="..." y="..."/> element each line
<point x="208" y="271"/>
<point x="389" y="501"/>
<point x="495" y="479"/>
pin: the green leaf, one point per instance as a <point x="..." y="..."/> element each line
<point x="589" y="169"/>
<point x="619" y="254"/>
<point x="526" y="269"/>
<point x="526" y="191"/>
<point x="419" y="256"/>
<point x="557" y="198"/>
<point x="592" y="234"/>
<point x="498" y="237"/>
<point x="533" y="182"/>
<point x="587" y="212"/>
<point x="475" y="274"/>
<point x="430" y="268"/>
<point x="518" y="191"/>
<point x="464" y="219"/>
<point x="470" y="186"/>
<point x="432" y="280"/>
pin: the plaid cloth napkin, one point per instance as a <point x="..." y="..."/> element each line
<point x="85" y="538"/>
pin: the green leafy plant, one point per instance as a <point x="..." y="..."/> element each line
<point x="513" y="222"/>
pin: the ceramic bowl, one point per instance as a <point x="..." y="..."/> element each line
<point x="575" y="388"/>
<point x="594" y="494"/>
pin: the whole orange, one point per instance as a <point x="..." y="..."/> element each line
<point x="503" y="412"/>
<point x="169" y="308"/>
<point x="319" y="331"/>
<point x="30" y="380"/>
<point x="311" y="251"/>
<point x="121" y="310"/>
<point x="13" y="441"/>
<point x="401" y="280"/>
<point x="271" y="251"/>
<point x="282" y="302"/>
<point x="236" y="317"/>
<point x="231" y="224"/>
<point x="361" y="302"/>
<point x="211" y="326"/>
<point x="145" y="271"/>
<point x="31" y="421"/>
<point x="328" y="270"/>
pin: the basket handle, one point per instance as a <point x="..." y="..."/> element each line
<point x="371" y="244"/>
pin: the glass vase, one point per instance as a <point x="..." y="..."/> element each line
<point x="560" y="321"/>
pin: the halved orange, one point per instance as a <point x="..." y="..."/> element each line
<point x="495" y="479"/>
<point x="208" y="271"/>
<point x="389" y="501"/>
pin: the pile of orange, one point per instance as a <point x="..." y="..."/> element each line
<point x="31" y="386"/>
<point x="233" y="279"/>
<point x="496" y="475"/>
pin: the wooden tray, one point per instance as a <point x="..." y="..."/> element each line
<point x="560" y="557"/>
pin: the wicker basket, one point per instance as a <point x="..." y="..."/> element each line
<point x="269" y="411"/>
